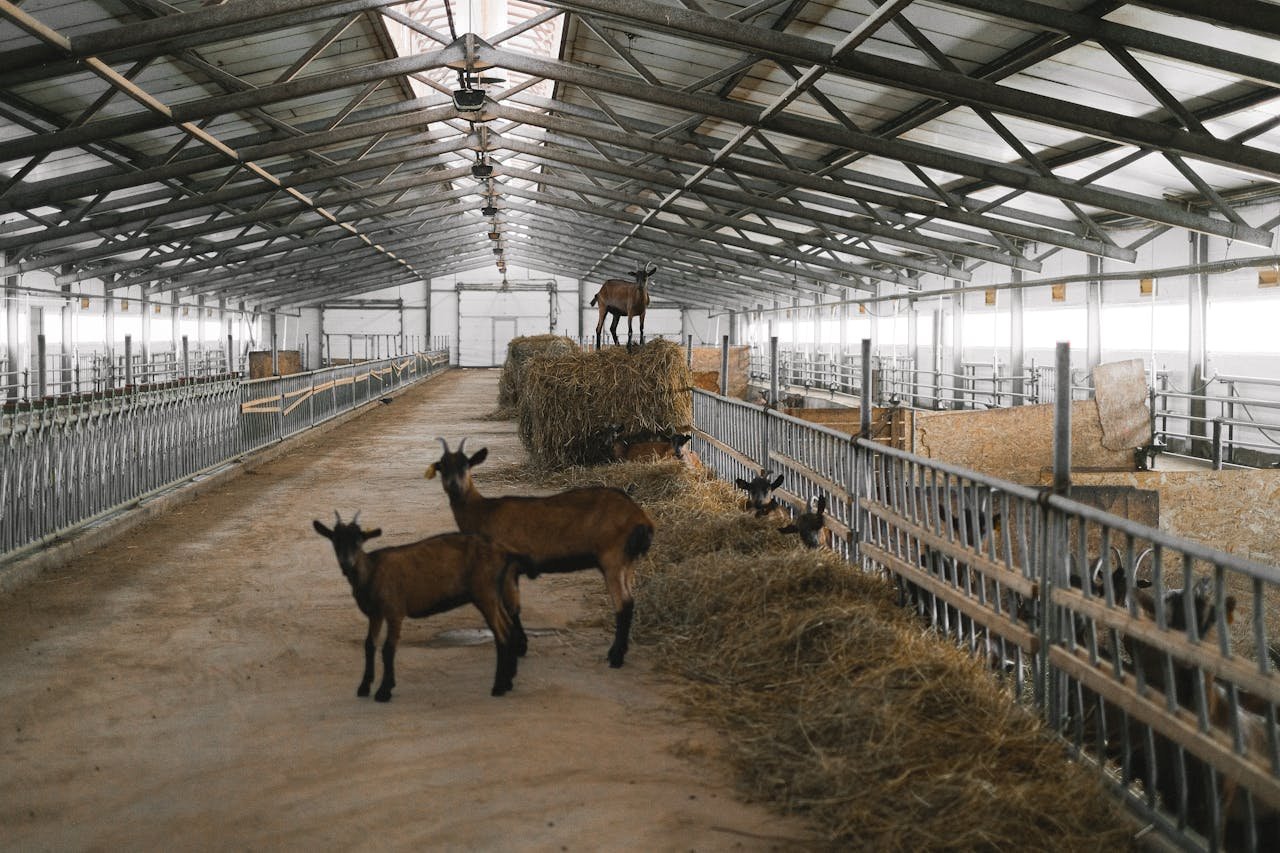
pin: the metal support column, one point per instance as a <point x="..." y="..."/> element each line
<point x="1017" y="347"/>
<point x="12" y="356"/>
<point x="724" y="366"/>
<point x="957" y="349"/>
<point x="1197" y="349"/>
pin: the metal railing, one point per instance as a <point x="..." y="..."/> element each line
<point x="91" y="371"/>
<point x="1234" y="421"/>
<point x="1172" y="696"/>
<point x="896" y="379"/>
<point x="63" y="464"/>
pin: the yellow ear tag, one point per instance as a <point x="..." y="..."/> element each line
<point x="430" y="473"/>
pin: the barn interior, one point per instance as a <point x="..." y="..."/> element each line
<point x="233" y="221"/>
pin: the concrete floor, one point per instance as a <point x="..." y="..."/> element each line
<point x="192" y="684"/>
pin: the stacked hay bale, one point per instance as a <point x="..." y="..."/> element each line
<point x="837" y="704"/>
<point x="519" y="352"/>
<point x="568" y="402"/>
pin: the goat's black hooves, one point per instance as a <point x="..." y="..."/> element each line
<point x="499" y="691"/>
<point x="362" y="690"/>
<point x="382" y="696"/>
<point x="615" y="661"/>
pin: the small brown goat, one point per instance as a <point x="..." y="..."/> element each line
<point x="617" y="297"/>
<point x="624" y="450"/>
<point x="811" y="526"/>
<point x="758" y="489"/>
<point x="589" y="527"/>
<point x="426" y="577"/>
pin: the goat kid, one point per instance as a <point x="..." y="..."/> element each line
<point x="758" y="491"/>
<point x="811" y="525"/>
<point x="427" y="577"/>
<point x="675" y="447"/>
<point x="583" y="528"/>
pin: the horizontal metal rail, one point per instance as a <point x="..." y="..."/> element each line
<point x="1170" y="692"/>
<point x="67" y="463"/>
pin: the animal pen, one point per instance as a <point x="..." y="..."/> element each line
<point x="66" y="463"/>
<point x="989" y="563"/>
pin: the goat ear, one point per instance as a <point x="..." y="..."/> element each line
<point x="1141" y="583"/>
<point x="776" y="483"/>
<point x="322" y="530"/>
<point x="430" y="473"/>
<point x="790" y="528"/>
<point x="822" y="504"/>
<point x="741" y="483"/>
<point x="478" y="457"/>
<point x="373" y="534"/>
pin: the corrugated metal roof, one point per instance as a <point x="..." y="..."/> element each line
<point x="281" y="151"/>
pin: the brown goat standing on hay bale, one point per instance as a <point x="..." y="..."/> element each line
<point x="584" y="528"/>
<point x="617" y="297"/>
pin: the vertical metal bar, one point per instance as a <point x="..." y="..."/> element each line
<point x="231" y="354"/>
<point x="128" y="361"/>
<point x="773" y="370"/>
<point x="724" y="365"/>
<point x="864" y="414"/>
<point x="1217" y="444"/>
<point x="67" y="387"/>
<point x="42" y="367"/>
<point x="1062" y="419"/>
<point x="688" y="351"/>
<point x="186" y="359"/>
<point x="275" y="350"/>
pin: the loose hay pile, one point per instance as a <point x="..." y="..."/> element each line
<point x="568" y="402"/>
<point x="836" y="703"/>
<point x="519" y="352"/>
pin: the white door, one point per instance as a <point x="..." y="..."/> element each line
<point x="504" y="329"/>
<point x="489" y="319"/>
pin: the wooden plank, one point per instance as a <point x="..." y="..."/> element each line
<point x="998" y="623"/>
<point x="1206" y="656"/>
<point x="979" y="563"/>
<point x="716" y="443"/>
<point x="1214" y="746"/>
<point x="299" y="401"/>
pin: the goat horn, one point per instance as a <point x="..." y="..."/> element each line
<point x="462" y="445"/>
<point x="355" y="518"/>
<point x="337" y="518"/>
<point x="443" y="443"/>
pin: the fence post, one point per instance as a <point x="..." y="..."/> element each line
<point x="128" y="361"/>
<point x="724" y="366"/>
<point x="864" y="416"/>
<point x="773" y="371"/>
<point x="1062" y="420"/>
<point x="186" y="358"/>
<point x="688" y="352"/>
<point x="42" y="376"/>
<point x="1217" y="444"/>
<point x="1053" y="570"/>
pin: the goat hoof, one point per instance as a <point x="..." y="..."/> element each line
<point x="615" y="660"/>
<point x="362" y="690"/>
<point x="499" y="691"/>
<point x="382" y="696"/>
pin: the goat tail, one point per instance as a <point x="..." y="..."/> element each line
<point x="504" y="618"/>
<point x="594" y="298"/>
<point x="522" y="564"/>
<point x="638" y="541"/>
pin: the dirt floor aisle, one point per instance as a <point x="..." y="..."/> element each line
<point x="192" y="686"/>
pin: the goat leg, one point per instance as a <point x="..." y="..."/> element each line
<point x="370" y="644"/>
<point x="388" y="661"/>
<point x="622" y="631"/>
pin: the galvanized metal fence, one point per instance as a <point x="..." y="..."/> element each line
<point x="1170" y="691"/>
<point x="65" y="464"/>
